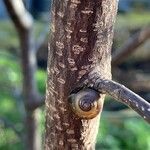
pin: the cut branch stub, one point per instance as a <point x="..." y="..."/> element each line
<point x="86" y="103"/>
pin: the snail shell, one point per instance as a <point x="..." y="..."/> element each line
<point x="86" y="103"/>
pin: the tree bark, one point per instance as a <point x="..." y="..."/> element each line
<point x="120" y="93"/>
<point x="81" y="39"/>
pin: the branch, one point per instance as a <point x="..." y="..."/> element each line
<point x="23" y="22"/>
<point x="20" y="16"/>
<point x="22" y="19"/>
<point x="122" y="94"/>
<point x="24" y="25"/>
<point x="36" y="102"/>
<point x="130" y="46"/>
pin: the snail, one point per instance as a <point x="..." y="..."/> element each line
<point x="85" y="103"/>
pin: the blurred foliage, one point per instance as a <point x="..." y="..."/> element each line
<point x="10" y="72"/>
<point x="11" y="104"/>
<point x="127" y="24"/>
<point x="9" y="140"/>
<point x="8" y="36"/>
<point x="132" y="20"/>
<point x="41" y="80"/>
<point x="127" y="133"/>
<point x="122" y="134"/>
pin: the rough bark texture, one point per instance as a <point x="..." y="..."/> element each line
<point x="81" y="39"/>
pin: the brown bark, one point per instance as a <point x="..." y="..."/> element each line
<point x="130" y="46"/>
<point x="24" y="23"/>
<point x="81" y="39"/>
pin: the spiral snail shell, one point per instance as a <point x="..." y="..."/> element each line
<point x="86" y="103"/>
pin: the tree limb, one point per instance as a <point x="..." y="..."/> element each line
<point x="130" y="46"/>
<point x="24" y="24"/>
<point x="37" y="101"/>
<point x="122" y="94"/>
<point x="21" y="18"/>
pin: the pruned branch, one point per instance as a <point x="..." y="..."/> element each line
<point x="130" y="46"/>
<point x="122" y="94"/>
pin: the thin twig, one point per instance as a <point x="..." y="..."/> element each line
<point x="122" y="94"/>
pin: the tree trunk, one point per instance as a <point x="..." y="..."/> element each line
<point x="30" y="93"/>
<point x="80" y="43"/>
<point x="24" y="25"/>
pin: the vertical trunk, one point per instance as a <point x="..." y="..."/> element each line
<point x="30" y="95"/>
<point x="80" y="43"/>
<point x="23" y="23"/>
<point x="33" y="139"/>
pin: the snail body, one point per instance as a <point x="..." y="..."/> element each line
<point x="86" y="103"/>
